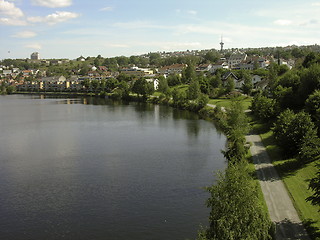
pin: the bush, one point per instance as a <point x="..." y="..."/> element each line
<point x="264" y="108"/>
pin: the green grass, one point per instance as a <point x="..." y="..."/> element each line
<point x="295" y="176"/>
<point x="226" y="102"/>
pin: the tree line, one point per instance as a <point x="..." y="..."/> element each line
<point x="291" y="106"/>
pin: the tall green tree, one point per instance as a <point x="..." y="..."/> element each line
<point x="142" y="87"/>
<point x="235" y="209"/>
<point x="292" y="130"/>
<point x="236" y="126"/>
<point x="193" y="91"/>
<point x="230" y="85"/>
<point x="313" y="107"/>
<point x="163" y="86"/>
<point x="189" y="73"/>
<point x="247" y="86"/>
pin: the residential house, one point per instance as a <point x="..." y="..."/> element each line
<point x="244" y="66"/>
<point x="237" y="82"/>
<point x="27" y="73"/>
<point x="135" y="71"/>
<point x="54" y="83"/>
<point x="204" y="67"/>
<point x="103" y="68"/>
<point x="172" y="69"/>
<point x="219" y="65"/>
<point x="7" y="72"/>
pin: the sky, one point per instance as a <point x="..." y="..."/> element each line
<point x="73" y="28"/>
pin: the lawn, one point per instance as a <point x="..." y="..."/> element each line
<point x="295" y="177"/>
<point x="226" y="102"/>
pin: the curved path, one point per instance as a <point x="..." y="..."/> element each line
<point x="281" y="209"/>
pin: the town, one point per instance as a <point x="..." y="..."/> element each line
<point x="92" y="74"/>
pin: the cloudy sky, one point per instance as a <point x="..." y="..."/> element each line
<point x="70" y="28"/>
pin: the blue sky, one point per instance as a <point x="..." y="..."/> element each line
<point x="70" y="28"/>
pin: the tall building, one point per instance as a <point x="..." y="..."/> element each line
<point x="221" y="44"/>
<point x="35" y="56"/>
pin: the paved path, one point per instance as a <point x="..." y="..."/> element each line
<point x="281" y="209"/>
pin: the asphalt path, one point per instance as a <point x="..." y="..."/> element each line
<point x="280" y="206"/>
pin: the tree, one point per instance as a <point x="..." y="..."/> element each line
<point x="155" y="59"/>
<point x="142" y="87"/>
<point x="179" y="97"/>
<point x="193" y="90"/>
<point x="111" y="84"/>
<point x="314" y="185"/>
<point x="216" y="81"/>
<point x="230" y="85"/>
<point x="86" y="83"/>
<point x="11" y="89"/>
<point x="263" y="107"/>
<point x="189" y="73"/>
<point x="174" y="80"/>
<point x="212" y="56"/>
<point x="95" y="84"/>
<point x="163" y="85"/>
<point x="310" y="59"/>
<point x="235" y="209"/>
<point x="310" y="81"/>
<point x="236" y="126"/>
<point x="204" y="84"/>
<point x="313" y="107"/>
<point x="247" y="84"/>
<point x="292" y="130"/>
<point x="202" y="100"/>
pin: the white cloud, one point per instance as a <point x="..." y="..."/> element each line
<point x="52" y="3"/>
<point x="54" y="18"/>
<point x="9" y="9"/>
<point x="283" y="22"/>
<point x="25" y="34"/>
<point x="36" y="46"/>
<point x="317" y="4"/>
<point x="106" y="9"/>
<point x="192" y="12"/>
<point x="12" y="22"/>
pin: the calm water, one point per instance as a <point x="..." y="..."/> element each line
<point x="80" y="169"/>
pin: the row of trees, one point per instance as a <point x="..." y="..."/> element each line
<point x="236" y="212"/>
<point x="291" y="105"/>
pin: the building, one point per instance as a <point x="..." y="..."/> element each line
<point x="230" y="75"/>
<point x="135" y="71"/>
<point x="236" y="58"/>
<point x="173" y="69"/>
<point x="35" y="56"/>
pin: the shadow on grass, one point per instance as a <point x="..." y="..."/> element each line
<point x="289" y="167"/>
<point x="314" y="232"/>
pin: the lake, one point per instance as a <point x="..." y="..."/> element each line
<point x="86" y="168"/>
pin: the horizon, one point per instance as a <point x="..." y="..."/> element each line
<point x="69" y="29"/>
<point x="173" y="51"/>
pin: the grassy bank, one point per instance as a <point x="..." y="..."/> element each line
<point x="295" y="176"/>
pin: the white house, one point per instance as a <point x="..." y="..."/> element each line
<point x="221" y="64"/>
